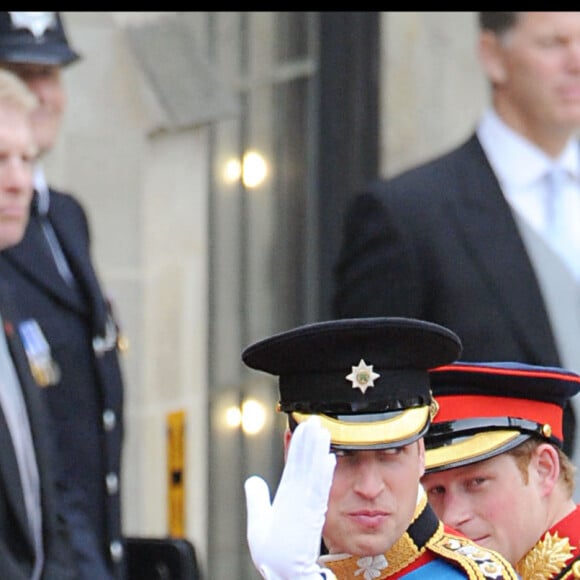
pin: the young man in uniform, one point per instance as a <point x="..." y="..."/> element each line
<point x="495" y="467"/>
<point x="357" y="397"/>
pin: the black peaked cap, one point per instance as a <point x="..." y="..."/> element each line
<point x="359" y="369"/>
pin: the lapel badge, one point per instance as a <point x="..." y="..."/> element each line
<point x="362" y="376"/>
<point x="8" y="328"/>
<point x="44" y="368"/>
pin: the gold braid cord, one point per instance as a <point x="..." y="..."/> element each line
<point x="401" y="554"/>
<point x="477" y="562"/>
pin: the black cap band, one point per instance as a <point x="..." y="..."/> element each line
<point x="336" y="395"/>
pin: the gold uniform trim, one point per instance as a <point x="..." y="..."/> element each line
<point x="403" y="553"/>
<point x="402" y="426"/>
<point x="547" y="558"/>
<point x="470" y="448"/>
<point x="476" y="562"/>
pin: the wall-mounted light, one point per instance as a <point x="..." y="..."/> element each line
<point x="233" y="417"/>
<point x="232" y="171"/>
<point x="252" y="170"/>
<point x="251" y="417"/>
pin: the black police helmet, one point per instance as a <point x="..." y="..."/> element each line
<point x="34" y="38"/>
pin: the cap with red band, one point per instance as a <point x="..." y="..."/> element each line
<point x="485" y="409"/>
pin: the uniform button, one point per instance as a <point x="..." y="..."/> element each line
<point x="116" y="550"/>
<point x="112" y="483"/>
<point x="109" y="419"/>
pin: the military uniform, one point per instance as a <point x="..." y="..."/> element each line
<point x="427" y="550"/>
<point x="557" y="554"/>
<point x="487" y="409"/>
<point x="360" y="389"/>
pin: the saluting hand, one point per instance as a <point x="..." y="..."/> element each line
<point x="284" y="536"/>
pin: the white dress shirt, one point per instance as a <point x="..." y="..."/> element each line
<point x="522" y="169"/>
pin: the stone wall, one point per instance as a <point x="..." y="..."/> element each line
<point x="144" y="183"/>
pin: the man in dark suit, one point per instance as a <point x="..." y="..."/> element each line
<point x="53" y="276"/>
<point x="465" y="240"/>
<point x="34" y="541"/>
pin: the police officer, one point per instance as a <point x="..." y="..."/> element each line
<point x="356" y="393"/>
<point x="71" y="336"/>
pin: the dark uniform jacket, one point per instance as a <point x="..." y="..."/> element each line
<point x="428" y="549"/>
<point x="86" y="402"/>
<point x="16" y="544"/>
<point x="556" y="555"/>
<point x="439" y="242"/>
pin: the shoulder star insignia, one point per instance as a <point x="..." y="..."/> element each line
<point x="362" y="376"/>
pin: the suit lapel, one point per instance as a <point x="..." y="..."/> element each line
<point x="71" y="228"/>
<point x="11" y="477"/>
<point x="41" y="269"/>
<point x="491" y="234"/>
<point x="8" y="461"/>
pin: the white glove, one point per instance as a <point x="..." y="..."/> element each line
<point x="284" y="537"/>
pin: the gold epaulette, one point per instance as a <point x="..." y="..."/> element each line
<point x="477" y="561"/>
<point x="548" y="559"/>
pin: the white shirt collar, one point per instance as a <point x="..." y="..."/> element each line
<point x="41" y="187"/>
<point x="516" y="161"/>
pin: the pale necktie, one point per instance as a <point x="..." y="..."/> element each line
<point x="562" y="225"/>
